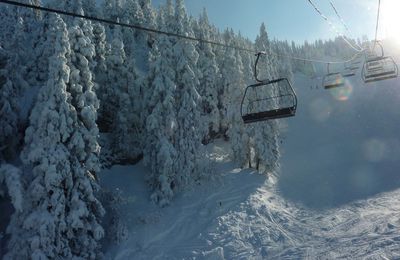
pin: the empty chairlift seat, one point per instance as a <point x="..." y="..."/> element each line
<point x="333" y="80"/>
<point x="268" y="100"/>
<point x="379" y="68"/>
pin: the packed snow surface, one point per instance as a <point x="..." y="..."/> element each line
<point x="242" y="216"/>
<point x="336" y="195"/>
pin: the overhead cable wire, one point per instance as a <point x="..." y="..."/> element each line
<point x="377" y="23"/>
<point x="316" y="60"/>
<point x="342" y="21"/>
<point x="132" y="26"/>
<point x="156" y="31"/>
<point x="333" y="26"/>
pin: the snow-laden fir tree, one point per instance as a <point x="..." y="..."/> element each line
<point x="29" y="39"/>
<point x="60" y="217"/>
<point x="43" y="51"/>
<point x="209" y="78"/>
<point x="108" y="93"/>
<point x="266" y="134"/>
<point x="159" y="152"/>
<point x="248" y="59"/>
<point x="136" y="50"/>
<point x="17" y="64"/>
<point x="228" y="73"/>
<point x="83" y="144"/>
<point x="89" y="8"/>
<point x="188" y="134"/>
<point x="112" y="10"/>
<point x="149" y="17"/>
<point x="132" y="14"/>
<point x="140" y="48"/>
<point x="8" y="18"/>
<point x="11" y="184"/>
<point x="14" y="74"/>
<point x="239" y="133"/>
<point x="120" y="82"/>
<point x="101" y="47"/>
<point x="8" y="112"/>
<point x="284" y="66"/>
<point x="233" y="82"/>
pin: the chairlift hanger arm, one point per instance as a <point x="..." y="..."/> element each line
<point x="255" y="66"/>
<point x="380" y="46"/>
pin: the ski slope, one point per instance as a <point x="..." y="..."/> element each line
<point x="337" y="195"/>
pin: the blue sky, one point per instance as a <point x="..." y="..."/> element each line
<point x="288" y="19"/>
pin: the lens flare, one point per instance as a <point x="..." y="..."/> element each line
<point x="342" y="93"/>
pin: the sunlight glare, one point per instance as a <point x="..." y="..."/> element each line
<point x="390" y="20"/>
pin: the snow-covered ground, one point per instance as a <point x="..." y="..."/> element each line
<point x="243" y="216"/>
<point x="337" y="195"/>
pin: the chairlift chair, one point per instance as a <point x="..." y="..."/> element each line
<point x="332" y="80"/>
<point x="268" y="99"/>
<point x="378" y="68"/>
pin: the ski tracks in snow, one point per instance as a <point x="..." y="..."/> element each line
<point x="243" y="216"/>
<point x="268" y="227"/>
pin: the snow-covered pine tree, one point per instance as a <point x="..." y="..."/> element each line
<point x="187" y="137"/>
<point x="60" y="217"/>
<point x="227" y="73"/>
<point x="111" y="9"/>
<point x="149" y="18"/>
<point x="132" y="14"/>
<point x="169" y="13"/>
<point x="85" y="210"/>
<point x="284" y="67"/>
<point x="159" y="152"/>
<point x="232" y="78"/>
<point x="31" y="40"/>
<point x="43" y="51"/>
<point x="89" y="8"/>
<point x="248" y="60"/>
<point x="120" y="82"/>
<point x="8" y="19"/>
<point x="8" y="112"/>
<point x="10" y="177"/>
<point x="101" y="47"/>
<point x="209" y="79"/>
<point x="13" y="73"/>
<point x="16" y="66"/>
<point x="136" y="50"/>
<point x="8" y="119"/>
<point x="266" y="134"/>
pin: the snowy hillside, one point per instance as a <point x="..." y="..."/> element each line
<point x="336" y="195"/>
<point x="244" y="215"/>
<point x="127" y="142"/>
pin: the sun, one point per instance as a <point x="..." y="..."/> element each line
<point x="389" y="24"/>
